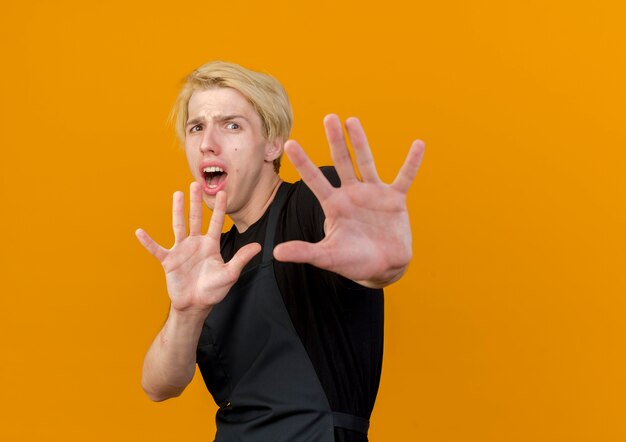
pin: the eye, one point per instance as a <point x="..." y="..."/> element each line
<point x="195" y="128"/>
<point x="233" y="126"/>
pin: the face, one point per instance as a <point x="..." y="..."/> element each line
<point x="226" y="148"/>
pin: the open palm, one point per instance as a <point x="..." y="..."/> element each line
<point x="197" y="277"/>
<point x="368" y="235"/>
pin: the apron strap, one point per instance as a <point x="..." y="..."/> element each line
<point x="342" y="420"/>
<point x="270" y="232"/>
<point x="351" y="422"/>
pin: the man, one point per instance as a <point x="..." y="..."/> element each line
<point x="284" y="313"/>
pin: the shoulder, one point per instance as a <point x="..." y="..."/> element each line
<point x="303" y="214"/>
<point x="301" y="192"/>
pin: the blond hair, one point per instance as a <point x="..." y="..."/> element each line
<point x="265" y="93"/>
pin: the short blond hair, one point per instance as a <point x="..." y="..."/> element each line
<point x="265" y="93"/>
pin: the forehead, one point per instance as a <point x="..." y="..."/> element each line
<point x="219" y="101"/>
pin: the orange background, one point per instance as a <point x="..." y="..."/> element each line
<point x="510" y="323"/>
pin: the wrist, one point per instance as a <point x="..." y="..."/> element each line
<point x="189" y="315"/>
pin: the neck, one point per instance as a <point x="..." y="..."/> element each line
<point x="262" y="199"/>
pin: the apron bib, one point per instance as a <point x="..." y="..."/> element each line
<point x="255" y="366"/>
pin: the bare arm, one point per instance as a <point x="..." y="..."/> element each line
<point x="170" y="362"/>
<point x="197" y="279"/>
<point x="368" y="235"/>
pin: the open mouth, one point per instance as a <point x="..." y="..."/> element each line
<point x="214" y="176"/>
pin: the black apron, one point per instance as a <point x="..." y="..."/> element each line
<point x="255" y="366"/>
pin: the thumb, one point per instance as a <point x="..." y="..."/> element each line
<point x="243" y="257"/>
<point x="303" y="252"/>
<point x="151" y="246"/>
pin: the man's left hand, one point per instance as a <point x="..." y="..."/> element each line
<point x="368" y="235"/>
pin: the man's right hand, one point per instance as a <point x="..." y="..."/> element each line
<point x="197" y="279"/>
<point x="197" y="276"/>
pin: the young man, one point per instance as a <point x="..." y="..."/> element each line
<point x="284" y="313"/>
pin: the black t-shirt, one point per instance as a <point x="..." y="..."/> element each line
<point x="340" y="322"/>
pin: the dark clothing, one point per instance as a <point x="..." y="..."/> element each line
<point x="339" y="323"/>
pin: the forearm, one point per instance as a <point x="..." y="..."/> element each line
<point x="170" y="362"/>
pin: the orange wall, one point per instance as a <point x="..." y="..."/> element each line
<point x="509" y="325"/>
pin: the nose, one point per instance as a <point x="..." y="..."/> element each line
<point x="210" y="141"/>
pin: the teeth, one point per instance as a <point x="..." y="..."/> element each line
<point x="213" y="169"/>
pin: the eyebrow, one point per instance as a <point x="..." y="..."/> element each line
<point x="220" y="118"/>
<point x="194" y="121"/>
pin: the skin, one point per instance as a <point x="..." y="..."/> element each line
<point x="368" y="235"/>
<point x="223" y="127"/>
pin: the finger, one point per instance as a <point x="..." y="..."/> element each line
<point x="339" y="149"/>
<point x="243" y="257"/>
<point x="303" y="252"/>
<point x="217" y="218"/>
<point x="155" y="250"/>
<point x="195" y="208"/>
<point x="410" y="167"/>
<point x="178" y="217"/>
<point x="310" y="173"/>
<point x="364" y="159"/>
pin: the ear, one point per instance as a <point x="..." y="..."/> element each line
<point x="273" y="149"/>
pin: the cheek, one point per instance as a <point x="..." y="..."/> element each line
<point x="191" y="160"/>
<point x="236" y="155"/>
